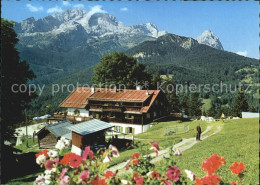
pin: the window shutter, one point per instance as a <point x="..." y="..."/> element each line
<point x="121" y="129"/>
<point x="126" y="130"/>
<point x="133" y="129"/>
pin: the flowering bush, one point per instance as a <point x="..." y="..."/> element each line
<point x="90" y="168"/>
<point x="212" y="164"/>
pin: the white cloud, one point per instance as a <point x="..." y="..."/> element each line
<point x="79" y="6"/>
<point x="124" y="9"/>
<point x="34" y="8"/>
<point x="54" y="9"/>
<point x="96" y="9"/>
<point x="65" y="3"/>
<point x="243" y="53"/>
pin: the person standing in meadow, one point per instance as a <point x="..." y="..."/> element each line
<point x="198" y="132"/>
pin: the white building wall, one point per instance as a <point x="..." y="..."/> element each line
<point x="76" y="150"/>
<point x="138" y="128"/>
<point x="83" y="112"/>
<point x="250" y="115"/>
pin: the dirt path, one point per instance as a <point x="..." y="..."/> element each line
<point x="182" y="146"/>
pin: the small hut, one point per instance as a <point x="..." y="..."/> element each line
<point x="51" y="133"/>
<point x="89" y="133"/>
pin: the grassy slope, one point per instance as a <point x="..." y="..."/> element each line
<point x="156" y="133"/>
<point x="237" y="141"/>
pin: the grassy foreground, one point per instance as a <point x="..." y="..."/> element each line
<point x="156" y="133"/>
<point x="237" y="141"/>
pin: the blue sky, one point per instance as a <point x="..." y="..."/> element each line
<point x="235" y="23"/>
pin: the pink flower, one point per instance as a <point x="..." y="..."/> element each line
<point x="173" y="173"/>
<point x="65" y="180"/>
<point x="49" y="164"/>
<point x="84" y="177"/>
<point x="64" y="170"/>
<point x="114" y="150"/>
<point x="177" y="153"/>
<point x="75" y="161"/>
<point x="155" y="147"/>
<point x="56" y="160"/>
<point x="86" y="152"/>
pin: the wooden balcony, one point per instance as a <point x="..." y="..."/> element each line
<point x="133" y="109"/>
<point x="135" y="120"/>
<point x="105" y="108"/>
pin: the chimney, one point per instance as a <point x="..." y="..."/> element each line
<point x="93" y="89"/>
<point x="138" y="87"/>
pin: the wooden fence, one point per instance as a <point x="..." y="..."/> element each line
<point x="176" y="129"/>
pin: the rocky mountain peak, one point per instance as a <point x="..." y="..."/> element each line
<point x="210" y="39"/>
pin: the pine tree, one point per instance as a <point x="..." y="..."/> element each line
<point x="195" y="105"/>
<point x="240" y="104"/>
<point x="185" y="104"/>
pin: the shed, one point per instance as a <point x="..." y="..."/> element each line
<point x="250" y="115"/>
<point x="89" y="133"/>
<point x="51" y="133"/>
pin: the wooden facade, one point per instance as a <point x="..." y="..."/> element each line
<point x="128" y="112"/>
<point x="81" y="141"/>
<point x="46" y="139"/>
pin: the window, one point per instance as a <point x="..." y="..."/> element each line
<point x="154" y="114"/>
<point x="130" y="130"/>
<point x="118" y="128"/>
<point x="148" y="115"/>
<point x="127" y="116"/>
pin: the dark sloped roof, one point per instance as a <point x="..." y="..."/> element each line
<point x="60" y="128"/>
<point x="90" y="126"/>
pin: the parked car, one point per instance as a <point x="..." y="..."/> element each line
<point x="47" y="115"/>
<point x="36" y="118"/>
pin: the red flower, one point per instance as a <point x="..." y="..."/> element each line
<point x="98" y="181"/>
<point x="208" y="180"/>
<point x="45" y="152"/>
<point x="138" y="179"/>
<point x="155" y="174"/>
<point x="127" y="144"/>
<point x="237" y="168"/>
<point x="75" y="161"/>
<point x="91" y="155"/>
<point x="135" y="158"/>
<point x="66" y="158"/>
<point x="166" y="182"/>
<point x="109" y="174"/>
<point x="235" y="183"/>
<point x="212" y="163"/>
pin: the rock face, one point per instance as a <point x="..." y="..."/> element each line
<point x="210" y="39"/>
<point x="88" y="25"/>
<point x="68" y="41"/>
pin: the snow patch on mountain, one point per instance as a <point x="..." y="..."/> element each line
<point x="210" y="39"/>
<point x="97" y="23"/>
